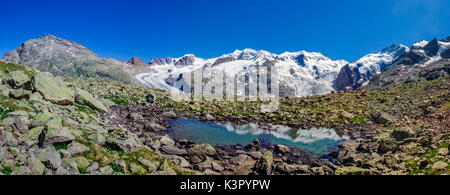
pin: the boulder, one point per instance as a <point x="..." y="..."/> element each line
<point x="202" y="150"/>
<point x="17" y="79"/>
<point x="282" y="149"/>
<point x="165" y="169"/>
<point x="85" y="98"/>
<point x="402" y="133"/>
<point x="169" y="114"/>
<point x="76" y="148"/>
<point x="36" y="166"/>
<point x="440" y="165"/>
<point x="137" y="170"/>
<point x="166" y="141"/>
<point x="50" y="157"/>
<point x="32" y="137"/>
<point x="384" y="118"/>
<point x="56" y="133"/>
<point x="97" y="138"/>
<point x="19" y="94"/>
<point x="123" y="140"/>
<point x="173" y="150"/>
<point x="352" y="171"/>
<point x="53" y="90"/>
<point x="264" y="165"/>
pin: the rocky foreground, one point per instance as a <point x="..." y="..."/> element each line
<point x="58" y="125"/>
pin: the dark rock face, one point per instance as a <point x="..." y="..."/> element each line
<point x="223" y="60"/>
<point x="136" y="61"/>
<point x="446" y="54"/>
<point x="346" y="78"/>
<point x="432" y="47"/>
<point x="353" y="76"/>
<point x="419" y="63"/>
<point x="185" y="60"/>
<point x="161" y="61"/>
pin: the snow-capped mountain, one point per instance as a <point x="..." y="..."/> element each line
<point x="299" y="73"/>
<point x="426" y="60"/>
<point x="358" y="73"/>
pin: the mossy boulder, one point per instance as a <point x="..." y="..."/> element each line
<point x="264" y="165"/>
<point x="85" y="98"/>
<point x="17" y="79"/>
<point x="53" y="90"/>
<point x="352" y="171"/>
<point x="19" y="94"/>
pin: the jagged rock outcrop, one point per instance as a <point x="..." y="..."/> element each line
<point x="426" y="60"/>
<point x="357" y="74"/>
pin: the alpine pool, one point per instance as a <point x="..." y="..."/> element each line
<point x="315" y="140"/>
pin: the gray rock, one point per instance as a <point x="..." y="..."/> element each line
<point x="173" y="150"/>
<point x="384" y="118"/>
<point x="75" y="148"/>
<point x="32" y="137"/>
<point x="22" y="123"/>
<point x="150" y="166"/>
<point x="61" y="171"/>
<point x="53" y="90"/>
<point x="97" y="138"/>
<point x="50" y="157"/>
<point x="166" y="141"/>
<point x="19" y="94"/>
<point x="169" y="114"/>
<point x="440" y="165"/>
<point x="216" y="167"/>
<point x="85" y="98"/>
<point x="124" y="140"/>
<point x="17" y="79"/>
<point x="22" y="170"/>
<point x="106" y="170"/>
<point x="36" y="166"/>
<point x="93" y="167"/>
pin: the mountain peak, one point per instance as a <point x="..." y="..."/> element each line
<point x="136" y="61"/>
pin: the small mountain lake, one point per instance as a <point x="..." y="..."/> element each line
<point x="315" y="140"/>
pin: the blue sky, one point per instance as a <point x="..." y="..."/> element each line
<point x="345" y="29"/>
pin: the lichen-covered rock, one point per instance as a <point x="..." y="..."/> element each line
<point x="32" y="137"/>
<point x="22" y="170"/>
<point x="75" y="148"/>
<point x="165" y="169"/>
<point x="19" y="94"/>
<point x="123" y="140"/>
<point x="203" y="149"/>
<point x="352" y="171"/>
<point x="16" y="79"/>
<point x="50" y="157"/>
<point x="56" y="133"/>
<point x="85" y="98"/>
<point x="36" y="166"/>
<point x="264" y="165"/>
<point x="137" y="170"/>
<point x="53" y="90"/>
<point x="97" y="138"/>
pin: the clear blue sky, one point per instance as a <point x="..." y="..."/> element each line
<point x="208" y="28"/>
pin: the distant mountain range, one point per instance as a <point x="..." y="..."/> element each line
<point x="300" y="73"/>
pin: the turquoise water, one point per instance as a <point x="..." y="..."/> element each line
<point x="316" y="140"/>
